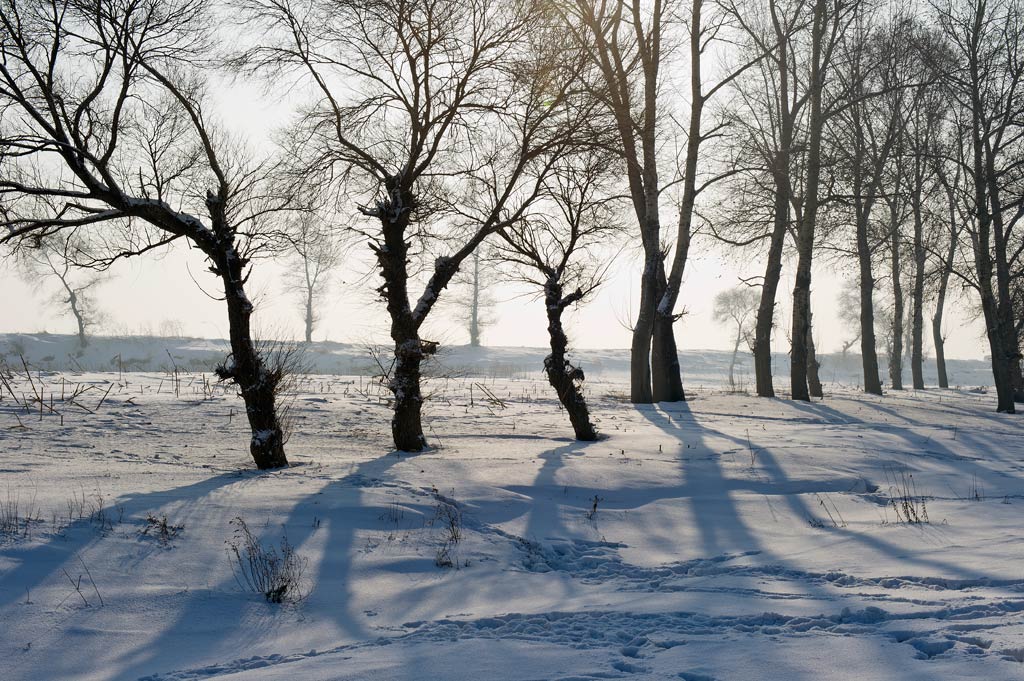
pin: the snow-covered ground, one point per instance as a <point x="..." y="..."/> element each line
<point x="726" y="538"/>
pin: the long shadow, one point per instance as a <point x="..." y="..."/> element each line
<point x="544" y="517"/>
<point x="831" y="415"/>
<point x="722" y="529"/>
<point x="39" y="562"/>
<point x="320" y="513"/>
<point x="917" y="445"/>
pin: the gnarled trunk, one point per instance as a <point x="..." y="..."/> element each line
<point x="247" y="368"/>
<point x="410" y="349"/>
<point x="406" y="423"/>
<point x="562" y="375"/>
<point x="79" y="318"/>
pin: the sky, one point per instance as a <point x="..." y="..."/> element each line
<point x="154" y="295"/>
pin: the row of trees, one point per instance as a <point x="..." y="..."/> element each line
<point x="531" y="133"/>
<point x="890" y="140"/>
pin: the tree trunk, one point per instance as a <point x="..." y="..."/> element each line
<point x="309" y="315"/>
<point x="410" y="349"/>
<point x="1001" y="365"/>
<point x="79" y="319"/>
<point x="813" y="365"/>
<point x="406" y="424"/>
<point x="732" y="360"/>
<point x="640" y="390"/>
<point x="808" y="221"/>
<point x="474" y="305"/>
<point x="562" y="375"/>
<point x="939" y="342"/>
<point x="246" y="366"/>
<point x="666" y="374"/>
<point x="896" y="357"/>
<point x="1017" y="375"/>
<point x="988" y="209"/>
<point x="868" y="343"/>
<point x="769" y="290"/>
<point x="947" y="270"/>
<point x="917" y="297"/>
<point x="765" y="323"/>
<point x="1004" y="313"/>
<point x="801" y="324"/>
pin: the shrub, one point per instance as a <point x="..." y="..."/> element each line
<point x="274" y="572"/>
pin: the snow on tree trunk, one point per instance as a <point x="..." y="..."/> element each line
<point x="247" y="368"/>
<point x="562" y="375"/>
<point x="406" y="423"/>
<point x="666" y="374"/>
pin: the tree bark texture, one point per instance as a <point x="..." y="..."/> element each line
<point x="565" y="378"/>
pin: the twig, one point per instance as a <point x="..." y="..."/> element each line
<point x="94" y="588"/>
<point x="78" y="586"/>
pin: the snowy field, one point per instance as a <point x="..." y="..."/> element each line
<point x="726" y="538"/>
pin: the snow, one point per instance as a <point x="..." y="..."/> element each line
<point x="733" y="537"/>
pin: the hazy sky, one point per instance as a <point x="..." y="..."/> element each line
<point x="148" y="295"/>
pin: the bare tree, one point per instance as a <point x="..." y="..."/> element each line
<point x="737" y="307"/>
<point x="53" y="257"/>
<point x="626" y="40"/>
<point x="629" y="43"/>
<point x="924" y="136"/>
<point x="104" y="129"/>
<point x="896" y="317"/>
<point x="865" y="132"/>
<point x="830" y="19"/>
<point x="947" y="259"/>
<point x="313" y="253"/>
<point x="986" y="82"/>
<point x="559" y="251"/>
<point x="848" y="308"/>
<point x="439" y="117"/>
<point x="473" y="301"/>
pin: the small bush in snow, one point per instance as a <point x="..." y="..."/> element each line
<point x="274" y="572"/>
<point x="909" y="506"/>
<point x="16" y="518"/>
<point x="448" y="517"/>
<point x="160" y="529"/>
